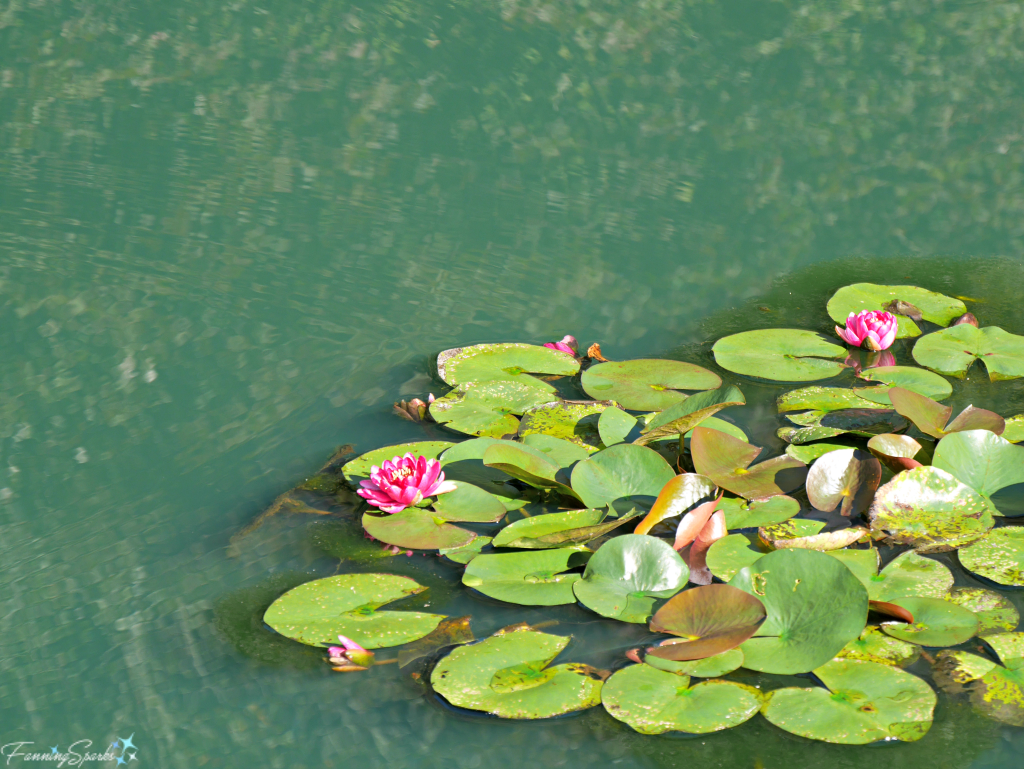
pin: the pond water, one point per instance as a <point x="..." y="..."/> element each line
<point x="231" y="235"/>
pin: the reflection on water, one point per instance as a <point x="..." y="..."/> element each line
<point x="231" y="235"/>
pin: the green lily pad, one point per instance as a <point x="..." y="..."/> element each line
<point x="931" y="418"/>
<point x="864" y="702"/>
<point x="815" y="607"/>
<point x="935" y="308"/>
<point x="508" y="675"/>
<point x="317" y="612"/>
<point x="646" y="385"/>
<point x="733" y="552"/>
<point x="508" y="361"/>
<point x="726" y="461"/>
<point x="653" y="701"/>
<point x="464" y="462"/>
<point x="794" y="528"/>
<point x="780" y="354"/>
<point x="896" y="452"/>
<point x="714" y="423"/>
<point x="1009" y="647"/>
<point x="1014" y="430"/>
<point x="527" y="464"/>
<point x="818" y="398"/>
<point x="996" y="613"/>
<point x="820" y="425"/>
<point x="809" y="452"/>
<point x="863" y="563"/>
<point x="873" y="645"/>
<point x="359" y="468"/>
<point x="846" y="479"/>
<point x="997" y="691"/>
<point x="981" y="459"/>
<point x="614" y="425"/>
<point x="552" y="530"/>
<point x="741" y="514"/>
<point x="621" y="472"/>
<point x="624" y="577"/>
<point x="573" y="421"/>
<point x="952" y="351"/>
<point x="709" y="620"/>
<point x="916" y="380"/>
<point x="936" y="622"/>
<point x="416" y="529"/>
<point x="930" y="510"/>
<point x="562" y="452"/>
<point x="487" y="408"/>
<point x="998" y="557"/>
<point x="469" y="504"/>
<point x="910" y="575"/>
<point x="686" y="416"/>
<point x="465" y="553"/>
<point x="709" y="667"/>
<point x="677" y="497"/>
<point x="531" y="578"/>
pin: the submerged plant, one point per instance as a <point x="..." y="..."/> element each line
<point x="404" y="482"/>
<point x="872" y="329"/>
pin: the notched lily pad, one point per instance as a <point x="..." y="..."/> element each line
<point x="614" y="425"/>
<point x="952" y="351"/>
<point x="741" y="514"/>
<point x="531" y="578"/>
<point x="896" y="452"/>
<point x="573" y="421"/>
<point x="359" y="468"/>
<point x="845" y="479"/>
<point x="416" y="529"/>
<point x="573" y="527"/>
<point x="731" y="553"/>
<point x="996" y="613"/>
<point x="780" y="354"/>
<point x="998" y="557"/>
<point x="646" y="385"/>
<point x="820" y="425"/>
<point x="709" y="620"/>
<point x="932" y="418"/>
<point x="873" y="645"/>
<point x="934" y="307"/>
<point x="709" y="667"/>
<point x="982" y="460"/>
<point x="623" y="471"/>
<point x="727" y="462"/>
<point x="936" y="622"/>
<point x="917" y="380"/>
<point x="513" y="362"/>
<point x="487" y="409"/>
<point x="910" y="575"/>
<point x="686" y="416"/>
<point x="995" y="690"/>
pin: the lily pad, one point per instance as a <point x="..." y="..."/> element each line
<point x="982" y="460"/>
<point x="930" y="510"/>
<point x="741" y="514"/>
<point x="935" y="308"/>
<point x="995" y="690"/>
<point x="714" y="423"/>
<point x="820" y="425"/>
<point x="464" y="462"/>
<point x="465" y="553"/>
<point x="677" y="497"/>
<point x="998" y="557"/>
<point x="916" y="380"/>
<point x="864" y="702"/>
<point x="896" y="452"/>
<point x="685" y="416"/>
<point x="452" y="631"/>
<point x="873" y="645"/>
<point x="614" y="425"/>
<point x="531" y="578"/>
<point x="780" y="354"/>
<point x="469" y="504"/>
<point x="709" y="667"/>
<point x="863" y="563"/>
<point x="507" y="361"/>
<point x="627" y="574"/>
<point x="809" y="452"/>
<point x="527" y="464"/>
<point x="936" y="622"/>
<point x="910" y="575"/>
<point x="359" y="468"/>
<point x="931" y="418"/>
<point x="733" y="552"/>
<point x="709" y="620"/>
<point x="573" y="421"/>
<point x="846" y="479"/>
<point x="508" y="675"/>
<point x="952" y="351"/>
<point x="553" y="530"/>
<point x="562" y="452"/>
<point x="487" y="408"/>
<point x="317" y="612"/>
<point x="621" y="472"/>
<point x="794" y="528"/>
<point x="996" y="613"/>
<point x="818" y="398"/>
<point x="416" y="529"/>
<point x="1014" y="430"/>
<point x="815" y="607"/>
<point x="653" y="701"/>
<point x="646" y="385"/>
<point x="789" y="535"/>
<point x="726" y="461"/>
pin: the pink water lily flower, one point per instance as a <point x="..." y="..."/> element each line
<point x="404" y="482"/>
<point x="349" y="656"/>
<point x="870" y="328"/>
<point x="567" y="345"/>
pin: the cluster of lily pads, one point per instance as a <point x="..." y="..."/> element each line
<point x="618" y="501"/>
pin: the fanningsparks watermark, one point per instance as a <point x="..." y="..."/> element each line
<point x="123" y="750"/>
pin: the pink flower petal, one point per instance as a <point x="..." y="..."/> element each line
<point x="443" y="488"/>
<point x="433" y="470"/>
<point x="848" y="336"/>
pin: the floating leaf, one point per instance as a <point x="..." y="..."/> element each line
<point x="1014" y="431"/>
<point x="508" y="362"/>
<point x="465" y="553"/>
<point x="464" y="462"/>
<point x="714" y="423"/>
<point x="614" y="425"/>
<point x="951" y="351"/>
<point x="780" y="354"/>
<point x="557" y="529"/>
<point x="818" y="398"/>
<point x="930" y="510"/>
<point x="931" y="418"/>
<point x="910" y="575"/>
<point x="996" y="613"/>
<point x="469" y="504"/>
<point x="864" y="702"/>
<point x="531" y="578"/>
<point x="487" y="408"/>
<point x="627" y="574"/>
<point x="562" y="452"/>
<point x="916" y="380"/>
<point x="935" y="308"/>
<point x="794" y="528"/>
<point x="710" y="667"/>
<point x="677" y="497"/>
<point x="936" y="622"/>
<point x="653" y="701"/>
<point x="875" y="646"/>
<point x="981" y="459"/>
<point x="826" y="542"/>
<point x="452" y="631"/>
<point x="317" y="612"/>
<point x="359" y="468"/>
<point x="508" y="675"/>
<point x="685" y="416"/>
<point x="731" y="553"/>
<point x="646" y="385"/>
<point x="416" y="529"/>
<point x="726" y="461"/>
<point x="863" y="563"/>
<point x="527" y="464"/>
<point x="807" y="453"/>
<point x="620" y="472"/>
<point x="846" y="479"/>
<point x="998" y="557"/>
<point x="819" y="425"/>
<point x="573" y="421"/>
<point x="709" y="620"/>
<point x="741" y="514"/>
<point x="896" y="452"/>
<point x="995" y="690"/>
<point x="815" y="607"/>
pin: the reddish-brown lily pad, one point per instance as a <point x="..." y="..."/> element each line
<point x="932" y="418"/>
<point x="896" y="452"/>
<point x="726" y="461"/>
<point x="710" y="620"/>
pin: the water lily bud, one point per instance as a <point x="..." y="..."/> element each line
<point x="568" y="345"/>
<point x="967" y="318"/>
<point x="870" y="329"/>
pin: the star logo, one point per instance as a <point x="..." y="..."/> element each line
<point x="127" y="743"/>
<point x="55" y="750"/>
<point x="131" y="757"/>
<point x="120" y="760"/>
<point x="114" y="745"/>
